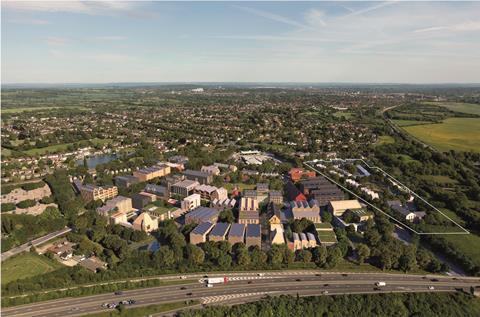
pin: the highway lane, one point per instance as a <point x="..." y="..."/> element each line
<point x="36" y="242"/>
<point x="247" y="286"/>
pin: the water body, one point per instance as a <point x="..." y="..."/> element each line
<point x="93" y="161"/>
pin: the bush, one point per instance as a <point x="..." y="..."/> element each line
<point x="26" y="203"/>
<point x="8" y="207"/>
<point x="32" y="186"/>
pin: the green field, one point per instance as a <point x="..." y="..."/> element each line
<point x="459" y="107"/>
<point x="146" y="310"/>
<point x="25" y="109"/>
<point x="385" y="139"/>
<point x="466" y="244"/>
<point x="460" y="134"/>
<point x="406" y="123"/>
<point x="241" y="186"/>
<point x="26" y="265"/>
<point x="440" y="179"/>
<point x="61" y="147"/>
<point x="340" y="114"/>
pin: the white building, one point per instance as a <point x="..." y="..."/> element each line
<point x="191" y="202"/>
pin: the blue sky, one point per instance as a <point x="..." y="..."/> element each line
<point x="97" y="42"/>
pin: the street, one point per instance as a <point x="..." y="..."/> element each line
<point x="245" y="287"/>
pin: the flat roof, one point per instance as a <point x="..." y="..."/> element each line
<point x="203" y="213"/>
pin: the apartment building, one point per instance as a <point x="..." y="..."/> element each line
<point x="91" y="192"/>
<point x="199" y="234"/>
<point x="145" y="222"/>
<point x="237" y="233"/>
<point x="191" y="202"/>
<point x="248" y="211"/>
<point x="219" y="232"/>
<point x="148" y="173"/>
<point x="184" y="188"/>
<point x="309" y="210"/>
<point x="199" y="176"/>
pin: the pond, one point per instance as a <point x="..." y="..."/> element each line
<point x="93" y="161"/>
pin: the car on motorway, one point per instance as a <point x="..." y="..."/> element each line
<point x="249" y="282"/>
<point x="377" y="289"/>
<point x="183" y="277"/>
<point x="118" y="293"/>
<point x="183" y="288"/>
<point x="298" y="280"/>
<point x="132" y="301"/>
<point x="189" y="294"/>
<point x="344" y="274"/>
<point x="261" y="274"/>
<point x="105" y="305"/>
<point x="326" y="284"/>
<point x="434" y="279"/>
<point x="431" y="288"/>
<point x="112" y="306"/>
<point x="325" y="292"/>
<point x="209" y="285"/>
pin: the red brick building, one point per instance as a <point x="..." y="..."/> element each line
<point x="297" y="174"/>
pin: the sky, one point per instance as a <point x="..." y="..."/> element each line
<point x="316" y="41"/>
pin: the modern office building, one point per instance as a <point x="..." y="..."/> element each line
<point x="202" y="214"/>
<point x="184" y="188"/>
<point x="199" y="176"/>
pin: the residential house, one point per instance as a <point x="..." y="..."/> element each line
<point x="211" y="169"/>
<point x="293" y="193"/>
<point x="298" y="173"/>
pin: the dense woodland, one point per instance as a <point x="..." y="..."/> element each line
<point x="408" y="304"/>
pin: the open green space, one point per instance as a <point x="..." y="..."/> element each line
<point x="385" y="139"/>
<point x="26" y="109"/>
<point x="406" y="123"/>
<point x="439" y="179"/>
<point x="462" y="107"/>
<point x="327" y="236"/>
<point x="146" y="310"/>
<point x="62" y="147"/>
<point x="468" y="244"/>
<point x="459" y="134"/>
<point x="26" y="265"/>
<point x="340" y="114"/>
<point x="241" y="186"/>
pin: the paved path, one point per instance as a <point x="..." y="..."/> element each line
<point x="35" y="242"/>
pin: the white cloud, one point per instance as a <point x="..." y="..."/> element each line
<point x="56" y="41"/>
<point x="110" y="38"/>
<point x="99" y="7"/>
<point x="271" y="16"/>
<point x="461" y="27"/>
<point x="315" y="18"/>
<point x="29" y="21"/>
<point x="369" y="9"/>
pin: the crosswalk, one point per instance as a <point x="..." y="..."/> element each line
<point x="223" y="298"/>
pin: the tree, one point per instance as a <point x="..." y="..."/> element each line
<point x="165" y="257"/>
<point x="363" y="252"/>
<point x="226" y="216"/>
<point x="304" y="256"/>
<point x="333" y="257"/>
<point x="258" y="257"/>
<point x="195" y="255"/>
<point x="275" y="255"/>
<point x="319" y="255"/>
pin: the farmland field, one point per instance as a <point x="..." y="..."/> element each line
<point x="406" y="123"/>
<point x="460" y="134"/>
<point x="459" y="107"/>
<point x="385" y="139"/>
<point x="26" y="265"/>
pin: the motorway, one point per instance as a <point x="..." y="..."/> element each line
<point x="243" y="287"/>
<point x="35" y="242"/>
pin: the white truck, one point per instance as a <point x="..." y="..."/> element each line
<point x="216" y="280"/>
<point x="381" y="284"/>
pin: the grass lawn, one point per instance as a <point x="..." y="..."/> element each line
<point x="25" y="109"/>
<point x="385" y="139"/>
<point x="440" y="179"/>
<point x="27" y="265"/>
<point x="406" y="123"/>
<point x="241" y="186"/>
<point x="459" y="107"/>
<point x="62" y="147"/>
<point x="405" y="158"/>
<point x="340" y="114"/>
<point x="467" y="244"/>
<point x="146" y="310"/>
<point x="6" y="152"/>
<point x="460" y="134"/>
<point x="327" y="236"/>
